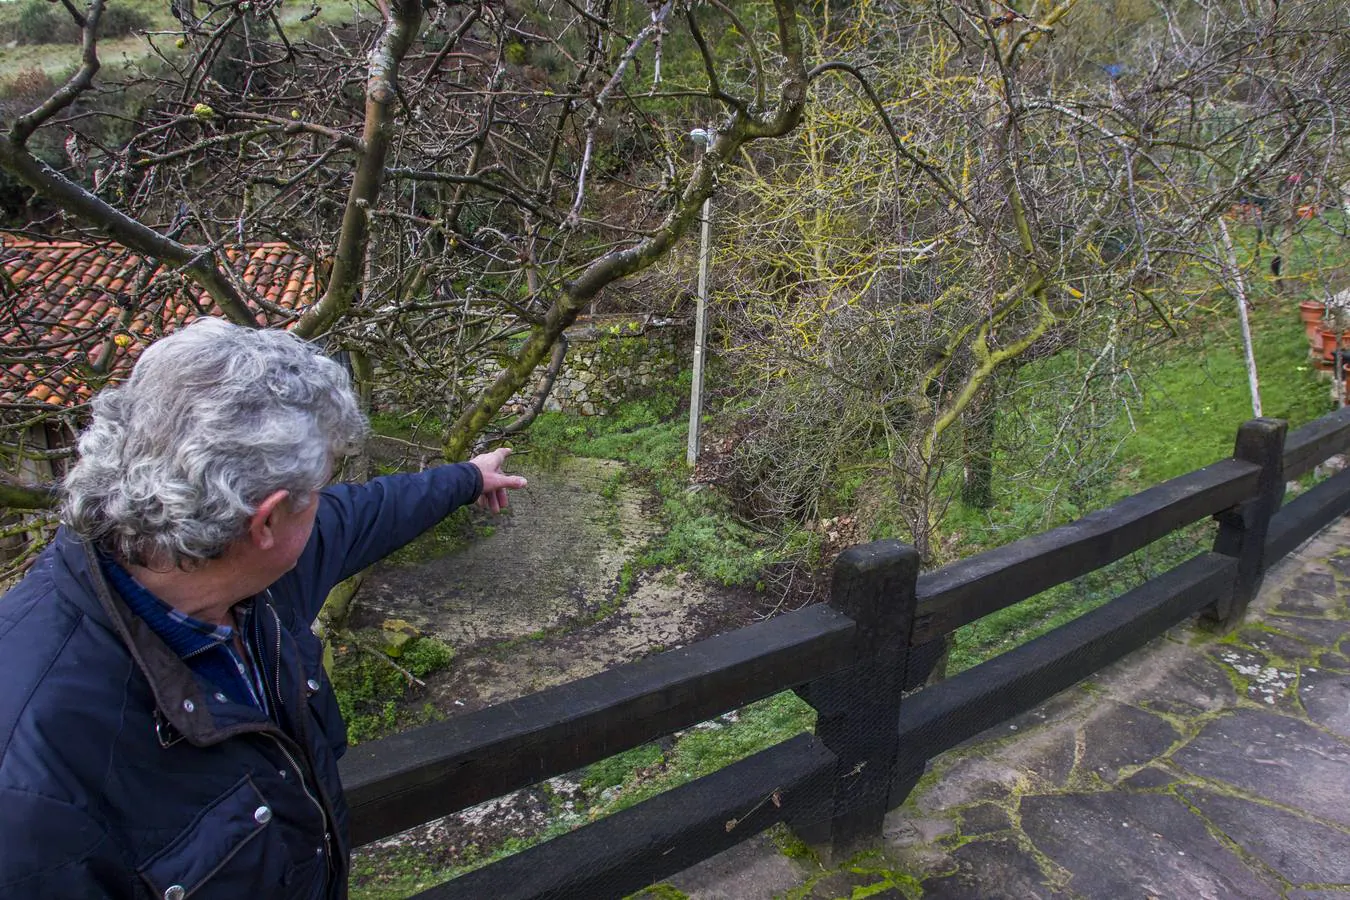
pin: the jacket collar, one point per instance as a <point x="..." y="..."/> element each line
<point x="180" y="703"/>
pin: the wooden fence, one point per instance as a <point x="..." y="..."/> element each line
<point x="858" y="661"/>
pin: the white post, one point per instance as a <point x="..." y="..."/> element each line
<point x="700" y="317"/>
<point x="1240" y="292"/>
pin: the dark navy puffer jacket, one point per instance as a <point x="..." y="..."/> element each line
<point x="123" y="775"/>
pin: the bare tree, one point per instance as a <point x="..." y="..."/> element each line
<point x="459" y="173"/>
<point x="980" y="194"/>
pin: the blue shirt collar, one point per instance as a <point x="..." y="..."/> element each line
<point x="184" y="635"/>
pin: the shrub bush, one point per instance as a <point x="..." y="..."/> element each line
<point x="41" y="22"/>
<point x="28" y="88"/>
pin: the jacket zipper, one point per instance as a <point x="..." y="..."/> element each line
<point x="304" y="785"/>
<point x="299" y="720"/>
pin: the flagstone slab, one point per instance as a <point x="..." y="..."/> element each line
<point x="1048" y="756"/>
<point x="1176" y="679"/>
<point x="1334" y="661"/>
<point x="1150" y="778"/>
<point x="984" y="818"/>
<point x="1326" y="697"/>
<point x="968" y="781"/>
<point x="1274" y="757"/>
<point x="1267" y="682"/>
<point x="1123" y="737"/>
<point x="1322" y="632"/>
<point x="1301" y="851"/>
<point x="992" y="870"/>
<point x="1119" y="844"/>
<point x="1300" y="601"/>
<point x="752" y="870"/>
<point x="1341" y="563"/>
<point x="1243" y="660"/>
<point x="1199" y="685"/>
<point x="1322" y="584"/>
<point x="1281" y="645"/>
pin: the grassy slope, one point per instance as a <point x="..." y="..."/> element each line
<point x="60" y="60"/>
<point x="1189" y="399"/>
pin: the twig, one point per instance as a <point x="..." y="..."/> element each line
<point x="411" y="678"/>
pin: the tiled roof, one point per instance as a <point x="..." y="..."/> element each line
<point x="63" y="304"/>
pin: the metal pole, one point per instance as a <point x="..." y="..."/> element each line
<point x="700" y="327"/>
<point x="700" y="320"/>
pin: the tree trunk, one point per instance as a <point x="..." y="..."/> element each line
<point x="981" y="419"/>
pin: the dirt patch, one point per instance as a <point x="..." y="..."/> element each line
<point x="540" y="602"/>
<point x="665" y="611"/>
<point x="554" y="557"/>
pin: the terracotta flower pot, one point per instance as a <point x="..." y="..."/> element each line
<point x="1312" y="314"/>
<point x="1329" y="341"/>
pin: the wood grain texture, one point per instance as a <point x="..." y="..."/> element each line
<point x="422" y="774"/>
<point x="1309" y="446"/>
<point x="958" y="594"/>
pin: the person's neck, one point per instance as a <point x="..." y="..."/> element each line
<point x="207" y="593"/>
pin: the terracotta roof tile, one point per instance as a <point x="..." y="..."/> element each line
<point x="68" y="305"/>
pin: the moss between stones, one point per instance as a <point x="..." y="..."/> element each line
<point x="661" y="891"/>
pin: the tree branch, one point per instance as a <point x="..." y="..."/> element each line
<point x="27" y="496"/>
<point x="25" y="125"/>
<point x="400" y="28"/>
<point x="199" y="265"/>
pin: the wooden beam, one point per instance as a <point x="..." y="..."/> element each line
<point x="641" y="845"/>
<point x="1307" y="514"/>
<point x="1309" y="446"/>
<point x="414" y="777"/>
<point x="940" y="717"/>
<point x="873" y="585"/>
<point x="1242" y="529"/>
<point x="972" y="588"/>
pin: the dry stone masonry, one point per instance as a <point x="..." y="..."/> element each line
<point x="610" y="359"/>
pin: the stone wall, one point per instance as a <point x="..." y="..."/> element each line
<point x="610" y="359"/>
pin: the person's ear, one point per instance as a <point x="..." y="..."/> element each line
<point x="262" y="524"/>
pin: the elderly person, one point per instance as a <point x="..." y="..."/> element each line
<point x="166" y="726"/>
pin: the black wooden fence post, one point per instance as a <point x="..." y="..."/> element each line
<point x="858" y="709"/>
<point x="1242" y="530"/>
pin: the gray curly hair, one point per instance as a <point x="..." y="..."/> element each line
<point x="214" y="418"/>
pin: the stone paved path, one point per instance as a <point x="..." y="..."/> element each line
<point x="1197" y="769"/>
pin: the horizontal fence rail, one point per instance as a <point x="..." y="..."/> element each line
<point x="661" y="836"/>
<point x="959" y="594"/>
<point x="1307" y="514"/>
<point x="411" y="778"/>
<point x="1309" y="446"/>
<point x="857" y="661"/>
<point x="945" y="715"/>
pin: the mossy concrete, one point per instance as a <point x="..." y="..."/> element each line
<point x="1202" y="766"/>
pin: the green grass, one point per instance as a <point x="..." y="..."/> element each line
<point x="701" y="752"/>
<point x="59" y="60"/>
<point x="370" y="691"/>
<point x="699" y="534"/>
<point x="1196" y="395"/>
<point x="1180" y="410"/>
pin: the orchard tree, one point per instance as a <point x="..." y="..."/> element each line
<point x="459" y="172"/>
<point x="975" y="190"/>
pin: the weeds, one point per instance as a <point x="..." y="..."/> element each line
<point x="370" y="692"/>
